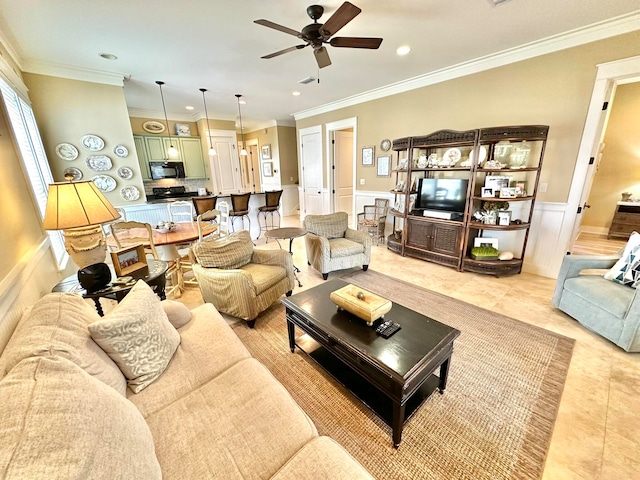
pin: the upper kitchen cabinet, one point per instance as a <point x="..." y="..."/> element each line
<point x="154" y="148"/>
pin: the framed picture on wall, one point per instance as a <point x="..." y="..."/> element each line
<point x="266" y="152"/>
<point x="267" y="169"/>
<point x="384" y="166"/>
<point x="367" y="156"/>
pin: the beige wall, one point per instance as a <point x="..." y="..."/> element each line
<point x="21" y="223"/>
<point x="619" y="168"/>
<point x="553" y="89"/>
<point x="288" y="152"/>
<point x="68" y="109"/>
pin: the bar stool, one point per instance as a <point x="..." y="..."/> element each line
<point x="204" y="204"/>
<point x="239" y="209"/>
<point x="272" y="203"/>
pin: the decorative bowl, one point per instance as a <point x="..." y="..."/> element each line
<point x="165" y="227"/>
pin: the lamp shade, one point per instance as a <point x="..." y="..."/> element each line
<point x="77" y="204"/>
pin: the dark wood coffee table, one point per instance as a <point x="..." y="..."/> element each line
<point x="401" y="368"/>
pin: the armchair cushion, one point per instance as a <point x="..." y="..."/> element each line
<point x="342" y="247"/>
<point x="264" y="276"/>
<point x="627" y="269"/>
<point x="229" y="252"/>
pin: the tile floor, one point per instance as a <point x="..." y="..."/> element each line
<point x="597" y="431"/>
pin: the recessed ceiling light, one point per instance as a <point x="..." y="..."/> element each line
<point x="108" y="56"/>
<point x="295" y="93"/>
<point x="189" y="107"/>
<point x="403" y="50"/>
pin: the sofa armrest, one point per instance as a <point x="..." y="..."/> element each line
<point x="272" y="257"/>
<point x="572" y="265"/>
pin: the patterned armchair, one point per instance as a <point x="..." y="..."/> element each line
<point x="332" y="245"/>
<point x="239" y="280"/>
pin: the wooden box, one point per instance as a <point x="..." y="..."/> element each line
<point x="361" y="303"/>
<point x="129" y="260"/>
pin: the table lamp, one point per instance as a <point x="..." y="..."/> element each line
<point x="78" y="209"/>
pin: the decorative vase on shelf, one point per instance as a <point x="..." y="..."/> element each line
<point x="520" y="156"/>
<point x="626" y="196"/>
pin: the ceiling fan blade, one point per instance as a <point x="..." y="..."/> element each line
<point x="356" y="42"/>
<point x="342" y="16"/>
<point x="275" y="26"/>
<point x="322" y="57"/>
<point x="286" y="50"/>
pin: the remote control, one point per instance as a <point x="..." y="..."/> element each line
<point x="388" y="328"/>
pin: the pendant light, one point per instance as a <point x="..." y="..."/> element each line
<point x="172" y="151"/>
<point x="243" y="152"/>
<point x="212" y="151"/>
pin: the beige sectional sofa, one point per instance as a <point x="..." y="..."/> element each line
<point x="213" y="411"/>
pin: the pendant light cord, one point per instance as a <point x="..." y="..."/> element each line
<point x="165" y="113"/>
<point x="207" y="117"/>
<point x="244" y="147"/>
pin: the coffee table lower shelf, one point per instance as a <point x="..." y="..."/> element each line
<point x="372" y="397"/>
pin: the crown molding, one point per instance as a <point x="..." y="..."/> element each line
<point x="74" y="73"/>
<point x="159" y="115"/>
<point x="580" y="36"/>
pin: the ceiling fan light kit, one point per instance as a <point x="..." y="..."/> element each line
<point x="317" y="34"/>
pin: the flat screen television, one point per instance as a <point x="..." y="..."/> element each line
<point x="445" y="194"/>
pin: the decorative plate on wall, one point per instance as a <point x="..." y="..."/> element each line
<point x="130" y="193"/>
<point x="92" y="142"/>
<point x="153" y="127"/>
<point x="99" y="163"/>
<point x="67" y="152"/>
<point x="121" y="151"/>
<point x="125" y="173"/>
<point x="77" y="174"/>
<point x="105" y="183"/>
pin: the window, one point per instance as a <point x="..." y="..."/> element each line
<point x="33" y="156"/>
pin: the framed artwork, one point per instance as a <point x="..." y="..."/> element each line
<point x="183" y="130"/>
<point x="384" y="166"/>
<point x="485" y="242"/>
<point x="496" y="182"/>
<point x="129" y="259"/>
<point x="504" y="217"/>
<point x="367" y="156"/>
<point x="488" y="192"/>
<point x="508" y="192"/>
<point x="267" y="169"/>
<point x="266" y="152"/>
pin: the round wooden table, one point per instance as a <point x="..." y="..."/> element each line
<point x="287" y="233"/>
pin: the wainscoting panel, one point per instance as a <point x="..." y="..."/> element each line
<point x="545" y="250"/>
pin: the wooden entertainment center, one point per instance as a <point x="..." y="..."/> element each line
<point x="451" y="189"/>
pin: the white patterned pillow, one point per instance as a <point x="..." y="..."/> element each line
<point x="627" y="270"/>
<point x="137" y="335"/>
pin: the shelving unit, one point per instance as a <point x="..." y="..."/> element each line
<point x="514" y="153"/>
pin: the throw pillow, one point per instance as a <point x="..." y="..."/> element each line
<point x="177" y="313"/>
<point x="627" y="269"/>
<point x="138" y="336"/>
<point x="229" y="252"/>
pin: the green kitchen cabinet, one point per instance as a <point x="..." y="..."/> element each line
<point x="143" y="158"/>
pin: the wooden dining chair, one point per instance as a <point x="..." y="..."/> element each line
<point x="181" y="211"/>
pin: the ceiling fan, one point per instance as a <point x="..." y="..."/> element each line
<point x="317" y="34"/>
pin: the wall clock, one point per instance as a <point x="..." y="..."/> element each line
<point x="385" y="145"/>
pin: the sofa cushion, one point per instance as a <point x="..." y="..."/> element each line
<point x="177" y="313"/>
<point x="207" y="348"/>
<point x="57" y="325"/>
<point x="627" y="269"/>
<point x="341" y="247"/>
<point x="229" y="252"/>
<point x="264" y="276"/>
<point x="322" y="457"/>
<point x="57" y="421"/>
<point x="137" y="335"/>
<point x="242" y="424"/>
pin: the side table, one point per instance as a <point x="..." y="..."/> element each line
<point x="155" y="279"/>
<point x="287" y="233"/>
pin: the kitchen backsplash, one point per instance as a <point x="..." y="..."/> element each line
<point x="190" y="185"/>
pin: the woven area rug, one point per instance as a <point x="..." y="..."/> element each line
<point x="494" y="420"/>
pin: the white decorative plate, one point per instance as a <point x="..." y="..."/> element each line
<point x="77" y="174"/>
<point x="125" y="173"/>
<point x="92" y="142"/>
<point x="452" y="156"/>
<point x="483" y="155"/>
<point x="153" y="127"/>
<point x="105" y="183"/>
<point x="121" y="151"/>
<point x="130" y="193"/>
<point x="67" y="152"/>
<point x="99" y="163"/>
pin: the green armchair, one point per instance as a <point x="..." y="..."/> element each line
<point x="607" y="308"/>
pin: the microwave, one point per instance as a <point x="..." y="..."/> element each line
<point x="166" y="170"/>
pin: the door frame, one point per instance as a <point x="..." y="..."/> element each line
<point x="330" y="129"/>
<point x="608" y="77"/>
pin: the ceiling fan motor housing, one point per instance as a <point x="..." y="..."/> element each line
<point x="315" y="11"/>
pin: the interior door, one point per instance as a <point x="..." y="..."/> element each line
<point x="311" y="151"/>
<point x="343" y="172"/>
<point x="225" y="165"/>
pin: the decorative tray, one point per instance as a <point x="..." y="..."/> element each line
<point x="361" y="303"/>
